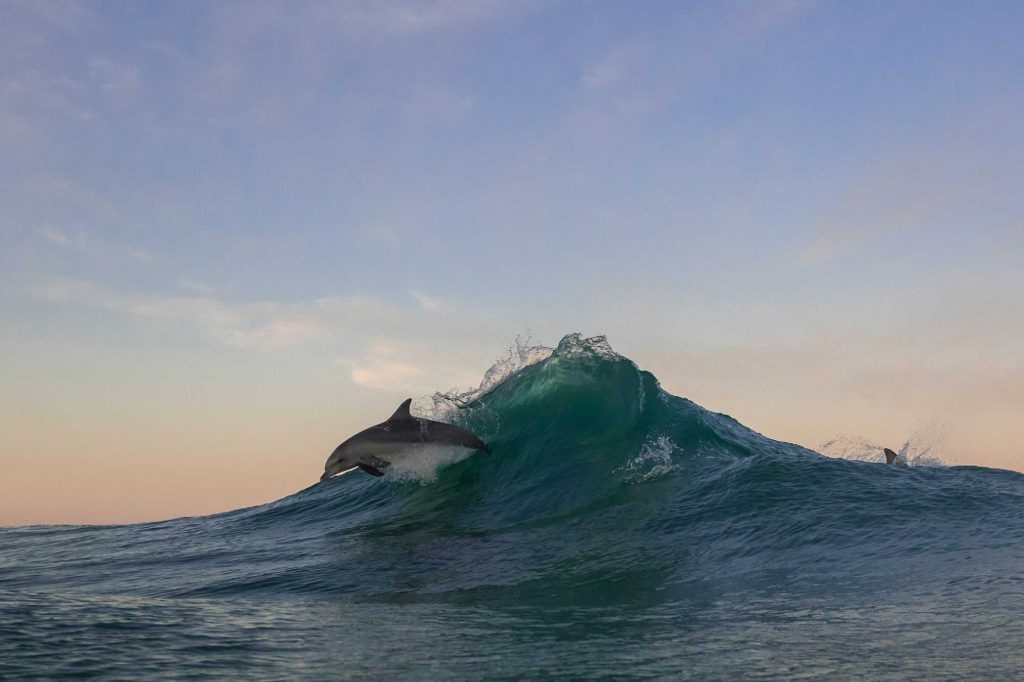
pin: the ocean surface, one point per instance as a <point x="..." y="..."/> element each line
<point x="615" y="532"/>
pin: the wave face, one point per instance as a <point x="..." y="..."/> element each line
<point x="614" y="531"/>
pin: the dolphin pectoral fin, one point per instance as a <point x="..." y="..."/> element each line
<point x="890" y="456"/>
<point x="379" y="463"/>
<point x="372" y="470"/>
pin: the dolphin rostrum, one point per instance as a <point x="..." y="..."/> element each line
<point x="372" y="449"/>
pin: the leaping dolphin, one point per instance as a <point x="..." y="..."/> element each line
<point x="373" y="449"/>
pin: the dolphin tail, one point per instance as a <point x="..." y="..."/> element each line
<point x="890" y="456"/>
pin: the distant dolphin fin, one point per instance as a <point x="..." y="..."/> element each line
<point x="372" y="470"/>
<point x="402" y="413"/>
<point x="890" y="456"/>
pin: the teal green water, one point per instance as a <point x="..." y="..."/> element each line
<point x="615" y="531"/>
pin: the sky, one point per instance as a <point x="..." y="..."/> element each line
<point x="233" y="234"/>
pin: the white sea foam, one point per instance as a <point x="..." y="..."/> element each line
<point x="921" y="449"/>
<point x="523" y="354"/>
<point x="653" y="461"/>
<point x="424" y="464"/>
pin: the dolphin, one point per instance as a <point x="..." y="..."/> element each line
<point x="373" y="449"/>
<point x="890" y="458"/>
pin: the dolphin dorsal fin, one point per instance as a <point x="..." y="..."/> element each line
<point x="402" y="413"/>
<point x="890" y="456"/>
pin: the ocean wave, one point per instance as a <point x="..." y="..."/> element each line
<point x="596" y="476"/>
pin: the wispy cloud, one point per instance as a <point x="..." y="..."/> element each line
<point x="758" y="20"/>
<point x="55" y="236"/>
<point x="406" y="17"/>
<point x="66" y="15"/>
<point x="312" y="44"/>
<point x="336" y="324"/>
<point x="260" y="326"/>
<point x="40" y="97"/>
<point x="428" y="302"/>
<point x="82" y="241"/>
<point x="613" y="68"/>
<point x="388" y="364"/>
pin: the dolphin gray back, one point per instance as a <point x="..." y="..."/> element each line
<point x="405" y="428"/>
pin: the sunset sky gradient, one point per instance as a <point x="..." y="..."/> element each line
<point x="235" y="233"/>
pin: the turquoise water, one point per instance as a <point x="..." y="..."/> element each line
<point x="616" y="531"/>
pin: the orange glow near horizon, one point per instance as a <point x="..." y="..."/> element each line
<point x="123" y="460"/>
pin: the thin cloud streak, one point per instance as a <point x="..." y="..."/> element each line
<point x="428" y="302"/>
<point x="405" y="367"/>
<point x="405" y="17"/>
<point x="333" y="322"/>
<point x="261" y="325"/>
<point x="82" y="241"/>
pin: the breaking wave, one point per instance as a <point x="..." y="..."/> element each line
<point x="602" y="491"/>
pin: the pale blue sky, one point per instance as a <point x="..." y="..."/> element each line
<point x="783" y="209"/>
